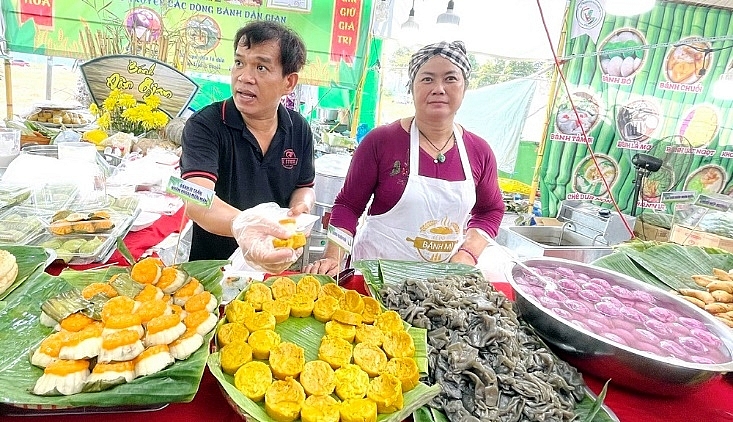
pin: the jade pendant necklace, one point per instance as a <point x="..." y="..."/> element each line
<point x="441" y="157"/>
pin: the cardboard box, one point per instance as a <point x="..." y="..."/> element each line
<point x="686" y="236"/>
<point x="547" y="221"/>
<point x="646" y="231"/>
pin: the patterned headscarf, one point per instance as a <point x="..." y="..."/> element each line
<point x="454" y="51"/>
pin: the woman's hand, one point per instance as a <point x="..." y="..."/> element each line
<point x="328" y="266"/>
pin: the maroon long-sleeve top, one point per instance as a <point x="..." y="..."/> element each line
<point x="380" y="166"/>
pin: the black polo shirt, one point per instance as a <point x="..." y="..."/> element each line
<point x="218" y="145"/>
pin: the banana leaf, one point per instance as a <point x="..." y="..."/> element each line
<point x="307" y="333"/>
<point x="379" y="273"/>
<point x="21" y="332"/>
<point x="667" y="265"/>
<point x="30" y="259"/>
<point x="382" y="272"/>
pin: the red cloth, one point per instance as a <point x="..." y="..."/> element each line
<point x="137" y="242"/>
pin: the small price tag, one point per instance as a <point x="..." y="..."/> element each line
<point x="341" y="238"/>
<point x="190" y="192"/>
<point x="681" y="196"/>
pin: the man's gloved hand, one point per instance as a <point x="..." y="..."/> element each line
<point x="254" y="229"/>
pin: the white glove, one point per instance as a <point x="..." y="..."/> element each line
<point x="254" y="229"/>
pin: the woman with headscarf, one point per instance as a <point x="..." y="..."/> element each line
<point x="433" y="184"/>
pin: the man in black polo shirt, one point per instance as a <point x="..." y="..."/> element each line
<point x="250" y="149"/>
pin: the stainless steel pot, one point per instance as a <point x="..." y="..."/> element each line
<point x="331" y="172"/>
<point x="327" y="114"/>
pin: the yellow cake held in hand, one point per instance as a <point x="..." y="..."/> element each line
<point x="279" y="308"/>
<point x="287" y="360"/>
<point x="370" y="358"/>
<point x="283" y="288"/>
<point x="262" y="342"/>
<point x="358" y="410"/>
<point x="318" y="378"/>
<point x="297" y="240"/>
<point x="386" y="391"/>
<point x="351" y="382"/>
<point x="253" y="379"/>
<point x="301" y="305"/>
<point x="320" y="409"/>
<point x="234" y="355"/>
<point x="406" y="370"/>
<point x="335" y="351"/>
<point x="284" y="399"/>
<point x="324" y="308"/>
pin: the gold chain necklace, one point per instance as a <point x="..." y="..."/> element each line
<point x="441" y="157"/>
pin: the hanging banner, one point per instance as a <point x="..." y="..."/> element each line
<point x="194" y="36"/>
<point x="588" y="19"/>
<point x="141" y="77"/>
<point x="647" y="87"/>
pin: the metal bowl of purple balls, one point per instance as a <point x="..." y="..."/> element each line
<point x="615" y="327"/>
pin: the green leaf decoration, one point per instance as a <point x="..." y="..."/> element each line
<point x="21" y="332"/>
<point x="307" y="333"/>
<point x="30" y="259"/>
<point x="666" y="265"/>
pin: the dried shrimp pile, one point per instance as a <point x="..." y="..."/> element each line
<point x="490" y="366"/>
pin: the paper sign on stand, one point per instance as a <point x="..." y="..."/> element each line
<point x="188" y="192"/>
<point x="343" y="240"/>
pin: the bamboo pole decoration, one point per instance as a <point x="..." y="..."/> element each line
<point x="8" y="89"/>
<point x="90" y="42"/>
<point x="84" y="46"/>
<point x="550" y="104"/>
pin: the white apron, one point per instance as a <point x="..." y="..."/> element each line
<point x="427" y="222"/>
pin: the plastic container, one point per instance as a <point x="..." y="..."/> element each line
<point x="79" y="249"/>
<point x="19" y="226"/>
<point x="50" y="198"/>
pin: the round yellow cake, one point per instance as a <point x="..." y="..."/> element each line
<point x="370" y="358"/>
<point x="371" y="334"/>
<point x="358" y="410"/>
<point x="234" y="355"/>
<point x="301" y="305"/>
<point x="317" y="378"/>
<point x="346" y="317"/>
<point x="324" y="308"/>
<point x="352" y="301"/>
<point x="279" y="308"/>
<point x="283" y="400"/>
<point x="287" y="360"/>
<point x="386" y="391"/>
<point x="261" y="320"/>
<point x="239" y="311"/>
<point x="331" y="289"/>
<point x="372" y="308"/>
<point x="320" y="409"/>
<point x="256" y="294"/>
<point x="351" y="382"/>
<point x="253" y="379"/>
<point x="283" y="288"/>
<point x="335" y="351"/>
<point x="398" y="344"/>
<point x="231" y="331"/>
<point x="309" y="286"/>
<point x="406" y="370"/>
<point x="262" y="342"/>
<point x="389" y="321"/>
<point x="338" y="329"/>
